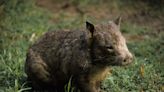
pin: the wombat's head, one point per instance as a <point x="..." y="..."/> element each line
<point x="108" y="46"/>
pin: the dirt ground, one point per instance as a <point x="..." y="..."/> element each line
<point x="139" y="13"/>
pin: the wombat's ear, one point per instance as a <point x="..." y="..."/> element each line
<point x="90" y="27"/>
<point x="118" y="21"/>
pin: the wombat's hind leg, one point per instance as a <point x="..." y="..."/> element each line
<point x="37" y="70"/>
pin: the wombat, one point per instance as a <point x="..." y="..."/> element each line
<point x="84" y="55"/>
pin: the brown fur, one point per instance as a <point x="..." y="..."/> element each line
<point x="84" y="55"/>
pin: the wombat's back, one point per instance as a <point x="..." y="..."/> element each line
<point x="62" y="46"/>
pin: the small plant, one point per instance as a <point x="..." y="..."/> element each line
<point x="69" y="87"/>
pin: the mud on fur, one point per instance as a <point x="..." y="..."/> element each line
<point x="84" y="55"/>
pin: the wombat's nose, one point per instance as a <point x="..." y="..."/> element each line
<point x="127" y="60"/>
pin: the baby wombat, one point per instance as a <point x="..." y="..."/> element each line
<point x="83" y="55"/>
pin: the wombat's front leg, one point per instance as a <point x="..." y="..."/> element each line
<point x="86" y="85"/>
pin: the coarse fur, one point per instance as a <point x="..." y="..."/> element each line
<point x="83" y="55"/>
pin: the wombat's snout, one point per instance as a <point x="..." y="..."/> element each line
<point x="127" y="59"/>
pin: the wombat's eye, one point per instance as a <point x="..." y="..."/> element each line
<point x="109" y="47"/>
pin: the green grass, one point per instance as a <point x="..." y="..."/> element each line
<point x="16" y="29"/>
<point x="23" y="22"/>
